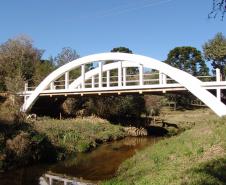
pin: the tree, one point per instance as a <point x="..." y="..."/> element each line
<point x="218" y="7"/>
<point x="42" y="69"/>
<point x="188" y="59"/>
<point x="66" y="55"/>
<point x="17" y="62"/>
<point x="215" y="52"/>
<point x="116" y="107"/>
<point x="121" y="50"/>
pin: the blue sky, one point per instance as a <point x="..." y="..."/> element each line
<point x="147" y="27"/>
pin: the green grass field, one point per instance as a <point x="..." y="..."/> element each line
<point x="194" y="157"/>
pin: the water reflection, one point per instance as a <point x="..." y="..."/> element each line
<point x="100" y="164"/>
<point x="49" y="179"/>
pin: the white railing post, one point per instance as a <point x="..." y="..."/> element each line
<point x="108" y="78"/>
<point x="124" y="76"/>
<point x="218" y="75"/>
<point x="164" y="79"/>
<point x="26" y="86"/>
<point x="83" y="75"/>
<point x="50" y="181"/>
<point x="25" y="99"/>
<point x="160" y="78"/>
<point x="93" y="81"/>
<point x="100" y="74"/>
<point x="141" y="72"/>
<point x="52" y="87"/>
<point x="218" y="79"/>
<point x="67" y="80"/>
<point x="218" y="94"/>
<point x="120" y="73"/>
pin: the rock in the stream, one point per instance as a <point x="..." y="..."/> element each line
<point x="133" y="131"/>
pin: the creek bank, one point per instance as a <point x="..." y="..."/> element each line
<point x="90" y="167"/>
<point x="21" y="145"/>
<point x="49" y="140"/>
<point x="195" y="156"/>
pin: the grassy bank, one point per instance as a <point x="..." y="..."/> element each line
<point x="49" y="139"/>
<point x="195" y="157"/>
<point x="78" y="135"/>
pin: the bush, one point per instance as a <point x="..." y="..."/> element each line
<point x="19" y="145"/>
<point x="116" y="106"/>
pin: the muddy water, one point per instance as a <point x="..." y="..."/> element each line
<point x="100" y="164"/>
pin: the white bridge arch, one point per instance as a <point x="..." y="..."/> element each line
<point x="124" y="60"/>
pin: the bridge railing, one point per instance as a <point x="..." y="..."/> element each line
<point x="147" y="78"/>
<point x="131" y="80"/>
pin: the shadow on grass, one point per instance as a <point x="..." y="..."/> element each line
<point x="211" y="173"/>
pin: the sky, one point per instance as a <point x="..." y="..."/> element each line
<point x="148" y="27"/>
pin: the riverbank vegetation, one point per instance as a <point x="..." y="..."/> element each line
<point x="78" y="135"/>
<point x="25" y="142"/>
<point x="196" y="156"/>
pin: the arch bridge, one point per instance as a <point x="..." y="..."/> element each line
<point x="113" y="77"/>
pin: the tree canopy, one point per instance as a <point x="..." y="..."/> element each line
<point x="188" y="59"/>
<point x="121" y="50"/>
<point x="215" y="51"/>
<point x="66" y="55"/>
<point x="17" y="62"/>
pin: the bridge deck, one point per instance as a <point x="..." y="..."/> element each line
<point x="126" y="89"/>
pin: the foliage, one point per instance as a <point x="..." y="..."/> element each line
<point x="73" y="105"/>
<point x="66" y="55"/>
<point x="196" y="156"/>
<point x="17" y="59"/>
<point x="79" y="135"/>
<point x="121" y="50"/>
<point x="42" y="69"/>
<point x="188" y="59"/>
<point x="113" y="107"/>
<point x="12" y="86"/>
<point x="153" y="104"/>
<point x="22" y="145"/>
<point x="215" y="51"/>
<point x="125" y="50"/>
<point x="218" y="7"/>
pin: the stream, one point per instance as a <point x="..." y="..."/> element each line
<point x="92" y="167"/>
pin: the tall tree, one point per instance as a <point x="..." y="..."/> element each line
<point x="215" y="52"/>
<point x="218" y="7"/>
<point x="42" y="69"/>
<point x="121" y="50"/>
<point x="17" y="62"/>
<point x="188" y="59"/>
<point x="66" y="55"/>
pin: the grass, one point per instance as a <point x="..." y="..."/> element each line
<point x="195" y="157"/>
<point x="78" y="135"/>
